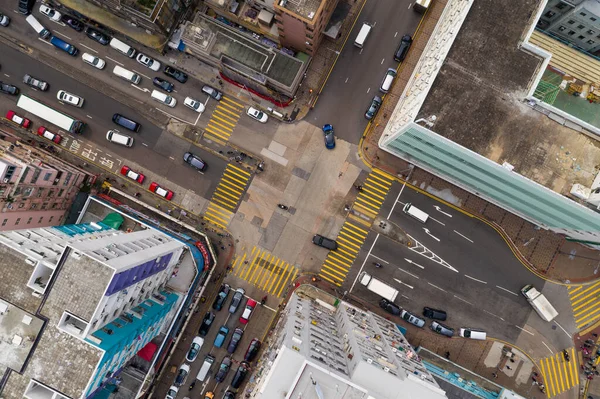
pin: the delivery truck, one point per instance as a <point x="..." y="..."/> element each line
<point x="539" y="303"/>
<point x="378" y="287"/>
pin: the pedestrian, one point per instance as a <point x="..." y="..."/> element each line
<point x="495" y="375"/>
<point x="508" y="367"/>
<point x="447" y="355"/>
<point x="594" y="335"/>
<point x="512" y="360"/>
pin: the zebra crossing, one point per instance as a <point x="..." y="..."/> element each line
<point x="585" y="303"/>
<point x="560" y="375"/>
<point x="223" y="120"/>
<point x="227" y="196"/>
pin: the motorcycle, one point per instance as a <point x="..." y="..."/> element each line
<point x="284" y="207"/>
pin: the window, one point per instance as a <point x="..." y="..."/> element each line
<point x="60" y="192"/>
<point x="591" y="32"/>
<point x="51" y="217"/>
<point x="40" y="221"/>
<point x="592" y="19"/>
<point x="580" y="26"/>
<point x="35" y="176"/>
<point x="582" y="14"/>
<point x="549" y="14"/>
<point x="9" y="206"/>
<point x="47" y="176"/>
<point x="571" y="22"/>
<point x="4" y="222"/>
<point x="18" y="190"/>
<point x="67" y="179"/>
<point x="581" y="37"/>
<point x="54" y="205"/>
<point x="560" y="6"/>
<point x="21" y="205"/>
<point x="50" y="193"/>
<point x="29" y="220"/>
<point x="571" y="33"/>
<point x="27" y="191"/>
<point x="562" y="28"/>
<point x="33" y="206"/>
<point x="44" y="205"/>
<point x="590" y="42"/>
<point x="18" y="221"/>
<point x="24" y="175"/>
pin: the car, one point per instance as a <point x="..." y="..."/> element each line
<point x="182" y="373"/>
<point x="373" y="108"/>
<point x="9" y="89"/>
<point x="223" y="369"/>
<point x="19" y="120"/>
<point x="412" y="319"/>
<point x="403" y="48"/>
<point x="209" y="317"/>
<point x="50" y="12"/>
<point x="250" y="305"/>
<point x="194" y="161"/>
<point x="442" y="329"/>
<point x="221" y="335"/>
<point x="193" y="104"/>
<point x="97" y="36"/>
<point x="229" y="395"/>
<point x="240" y="374"/>
<point x="389" y="307"/>
<point x="35" y="82"/>
<point x="235" y="340"/>
<point x="93" y="60"/>
<point x="258" y="115"/>
<point x="4" y="20"/>
<point x="252" y="350"/>
<point x="69" y="98"/>
<point x="211" y="91"/>
<point x="127" y="172"/>
<point x="172" y="392"/>
<point x="163" y="84"/>
<point x="148" y="62"/>
<point x="163" y="192"/>
<point x="324" y="242"/>
<point x="176" y="74"/>
<point x="221" y="297"/>
<point x="434" y="313"/>
<point x="72" y="22"/>
<point x="209" y="395"/>
<point x="238" y="295"/>
<point x="192" y="353"/>
<point x="329" y="137"/>
<point x="47" y="134"/>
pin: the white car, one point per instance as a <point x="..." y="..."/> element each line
<point x="69" y="98"/>
<point x="93" y="60"/>
<point x="172" y="393"/>
<point x="193" y="104"/>
<point x="258" y="115"/>
<point x="194" y="349"/>
<point x="4" y="20"/>
<point x="148" y="62"/>
<point x="50" y="12"/>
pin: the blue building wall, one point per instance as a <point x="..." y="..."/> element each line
<point x="82" y="228"/>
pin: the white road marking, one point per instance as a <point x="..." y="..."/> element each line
<point x="435" y="286"/>
<point x="360" y="52"/>
<point x="107" y="154"/>
<point x="509" y="291"/>
<point x="473" y="278"/>
<point x="44" y="41"/>
<point x="404" y="296"/>
<point x="140" y="88"/>
<point x="495" y="315"/>
<point x="173" y="116"/>
<point x="174" y="91"/>
<point x="435" y="220"/>
<point x="63" y="35"/>
<point x="395" y="34"/>
<point x="89" y="48"/>
<point x="346" y="81"/>
<point x="548" y="347"/>
<point x="139" y="73"/>
<point x="409" y="286"/>
<point x="89" y="117"/>
<point x="561" y="327"/>
<point x="172" y="158"/>
<point x="465" y="237"/>
<point x="522" y="329"/>
<point x="374" y="23"/>
<point x="383" y="260"/>
<point x="414" y="263"/>
<point x="464" y="300"/>
<point x="115" y="61"/>
<point x="382" y="61"/>
<point x="431" y="235"/>
<point x="16" y="12"/>
<point x="145" y="144"/>
<point x="368" y="90"/>
<point x="410" y="274"/>
<point x="8" y="76"/>
<point x="437" y="208"/>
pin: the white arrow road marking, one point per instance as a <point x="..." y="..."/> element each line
<point x="437" y="208"/>
<point x="431" y="235"/>
<point x="414" y="263"/>
<point x="140" y="88"/>
<point x="409" y="286"/>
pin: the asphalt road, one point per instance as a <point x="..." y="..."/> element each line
<point x="358" y="73"/>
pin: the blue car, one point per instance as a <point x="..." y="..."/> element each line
<point x="221" y="335"/>
<point x="329" y="137"/>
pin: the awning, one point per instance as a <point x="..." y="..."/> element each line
<point x="147" y="352"/>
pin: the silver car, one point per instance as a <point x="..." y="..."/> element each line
<point x="35" y="82"/>
<point x="412" y="319"/>
<point x="211" y="91"/>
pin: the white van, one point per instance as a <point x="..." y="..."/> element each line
<point x="415" y="212"/>
<point x="473" y="334"/>
<point x="122" y="47"/>
<point x="115" y="137"/>
<point x="39" y="28"/>
<point x="386" y="84"/>
<point x="163" y="98"/>
<point x="362" y="35"/>
<point x="421" y="6"/>
<point x="127" y="75"/>
<point x="208" y="362"/>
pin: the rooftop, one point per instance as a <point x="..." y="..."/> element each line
<point x="304" y="8"/>
<point x="18" y="332"/>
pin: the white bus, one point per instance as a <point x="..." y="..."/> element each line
<point x="63" y="121"/>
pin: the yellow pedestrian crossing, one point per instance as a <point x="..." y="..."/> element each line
<point x="223" y="120"/>
<point x="585" y="303"/>
<point x="227" y="196"/>
<point x="558" y="374"/>
<point x="265" y="271"/>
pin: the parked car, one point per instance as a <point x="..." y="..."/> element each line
<point x="72" y="22"/>
<point x="182" y="374"/>
<point x="238" y="295"/>
<point x="248" y="309"/>
<point x="209" y="317"/>
<point x="172" y="392"/>
<point x="50" y="12"/>
<point x="19" y="120"/>
<point x="389" y="307"/>
<point x="252" y="350"/>
<point x="223" y="369"/>
<point x="194" y="161"/>
<point x="434" y="313"/>
<point x="148" y="62"/>
<point x="175" y="74"/>
<point x="35" y="82"/>
<point x="4" y="20"/>
<point x="240" y="374"/>
<point x="329" y="136"/>
<point x="127" y="172"/>
<point x="441" y="328"/>
<point x="229" y="395"/>
<point x="47" y="134"/>
<point x="163" y="192"/>
<point x="258" y="115"/>
<point x="163" y="84"/>
<point x="221" y="297"/>
<point x="69" y="98"/>
<point x="235" y="340"/>
<point x="412" y="319"/>
<point x="324" y="242"/>
<point x="209" y="395"/>
<point x="93" y="60"/>
<point x="221" y="335"/>
<point x="373" y="108"/>
<point x="193" y="104"/>
<point x="97" y="36"/>
<point x="211" y="91"/>
<point x="192" y="353"/>
<point x="9" y="89"/>
<point x="403" y="48"/>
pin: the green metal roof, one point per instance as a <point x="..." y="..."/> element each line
<point x="489" y="180"/>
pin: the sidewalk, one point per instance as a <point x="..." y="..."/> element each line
<point x="588" y="377"/>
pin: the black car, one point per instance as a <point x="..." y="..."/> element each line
<point x="176" y="74"/>
<point x="221" y="297"/>
<point x="229" y="395"/>
<point x="195" y="161"/>
<point x="389" y="307"/>
<point x="97" y="36"/>
<point x="434" y="313"/>
<point x="235" y="340"/>
<point x="209" y="317"/>
<point x="324" y="242"/>
<point x="72" y="22"/>
<point x="252" y="350"/>
<point x="403" y="48"/>
<point x="223" y="369"/>
<point x="240" y="374"/>
<point x="9" y="89"/>
<point x="373" y="108"/>
<point x="163" y="84"/>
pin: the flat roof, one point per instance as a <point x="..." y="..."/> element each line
<point x="304" y="8"/>
<point x="18" y="331"/>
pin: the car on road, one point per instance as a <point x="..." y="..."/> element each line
<point x="127" y="172"/>
<point x="412" y="319"/>
<point x="182" y="373"/>
<point x="127" y="123"/>
<point x="72" y="22"/>
<point x="209" y="317"/>
<point x="50" y="12"/>
<point x="389" y="307"/>
<point x="434" y="313"/>
<point x="148" y="62"/>
<point x="47" y="134"/>
<point x="223" y="369"/>
<point x="163" y="84"/>
<point x="324" y="242"/>
<point x="221" y="297"/>
<point x="176" y="74"/>
<point x="440" y="328"/>
<point x="193" y="104"/>
<point x="252" y="350"/>
<point x="19" y="120"/>
<point x="163" y="192"/>
<point x="172" y="392"/>
<point x="329" y="136"/>
<point x="240" y="374"/>
<point x="69" y="98"/>
<point x="194" y="161"/>
<point x="9" y="89"/>
<point x="248" y="309"/>
<point x="403" y="48"/>
<point x="4" y="20"/>
<point x="373" y="107"/>
<point x="209" y="395"/>
<point x="211" y="91"/>
<point x="97" y="36"/>
<point x="192" y="353"/>
<point x="236" y="337"/>
<point x="93" y="60"/>
<point x="35" y="82"/>
<point x="221" y="335"/>
<point x="229" y="395"/>
<point x="238" y="295"/>
<point x="256" y="114"/>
